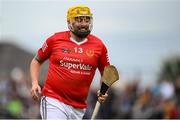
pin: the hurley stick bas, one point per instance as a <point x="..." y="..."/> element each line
<point x="110" y="75"/>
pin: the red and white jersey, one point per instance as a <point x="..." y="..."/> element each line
<point x="72" y="67"/>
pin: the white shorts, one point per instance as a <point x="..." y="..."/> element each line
<point x="51" y="108"/>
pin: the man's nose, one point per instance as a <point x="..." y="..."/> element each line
<point x="84" y="23"/>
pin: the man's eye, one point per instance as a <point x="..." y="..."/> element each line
<point x="80" y="19"/>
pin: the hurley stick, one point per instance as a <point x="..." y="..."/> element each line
<point x="110" y="75"/>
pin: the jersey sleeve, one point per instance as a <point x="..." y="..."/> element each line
<point x="45" y="51"/>
<point x="104" y="60"/>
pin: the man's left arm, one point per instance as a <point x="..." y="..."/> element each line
<point x="103" y="62"/>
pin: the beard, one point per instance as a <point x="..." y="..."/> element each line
<point x="81" y="34"/>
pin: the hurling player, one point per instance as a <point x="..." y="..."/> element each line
<point x="73" y="56"/>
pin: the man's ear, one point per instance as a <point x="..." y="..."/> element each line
<point x="69" y="25"/>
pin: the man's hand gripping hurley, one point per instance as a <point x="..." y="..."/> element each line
<point x="110" y="75"/>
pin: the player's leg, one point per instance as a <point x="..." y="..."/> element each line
<point x="77" y="113"/>
<point x="54" y="109"/>
<point x="49" y="109"/>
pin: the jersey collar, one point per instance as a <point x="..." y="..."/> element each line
<point x="79" y="43"/>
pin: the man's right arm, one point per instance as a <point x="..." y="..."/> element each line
<point x="35" y="68"/>
<point x="43" y="54"/>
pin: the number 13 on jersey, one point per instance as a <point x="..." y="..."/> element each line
<point x="78" y="50"/>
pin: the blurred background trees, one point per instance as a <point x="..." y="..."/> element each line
<point x="171" y="68"/>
